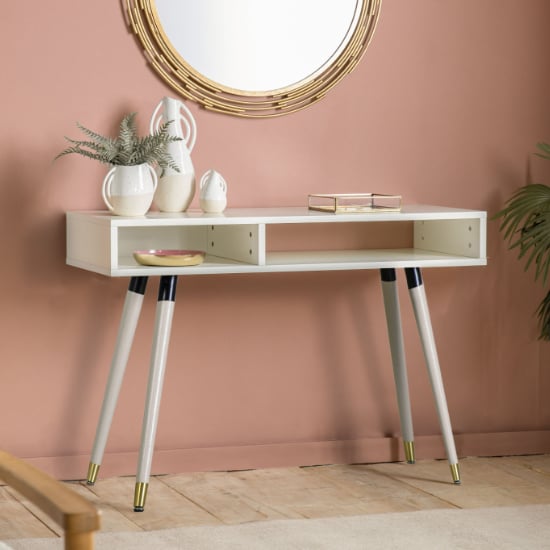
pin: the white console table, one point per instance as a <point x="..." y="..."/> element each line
<point x="237" y="241"/>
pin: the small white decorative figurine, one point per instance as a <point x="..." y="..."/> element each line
<point x="213" y="192"/>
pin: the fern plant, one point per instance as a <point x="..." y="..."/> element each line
<point x="128" y="149"/>
<point x="526" y="226"/>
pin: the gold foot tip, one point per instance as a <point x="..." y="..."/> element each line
<point x="409" y="452"/>
<point x="140" y="496"/>
<point x="455" y="472"/>
<point x="93" y="470"/>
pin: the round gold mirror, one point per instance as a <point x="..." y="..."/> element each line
<point x="253" y="58"/>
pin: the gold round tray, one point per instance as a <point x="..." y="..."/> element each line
<point x="169" y="258"/>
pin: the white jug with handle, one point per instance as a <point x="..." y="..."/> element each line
<point x="175" y="190"/>
<point x="213" y="192"/>
<point x="129" y="190"/>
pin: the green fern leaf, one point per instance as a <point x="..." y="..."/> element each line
<point x="128" y="148"/>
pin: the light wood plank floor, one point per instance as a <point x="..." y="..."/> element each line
<point x="256" y="495"/>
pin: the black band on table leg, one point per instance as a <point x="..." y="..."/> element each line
<point x="138" y="285"/>
<point x="414" y="277"/>
<point x="167" y="288"/>
<point x="388" y="275"/>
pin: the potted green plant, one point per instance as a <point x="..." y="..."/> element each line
<point x="526" y="226"/>
<point x="130" y="184"/>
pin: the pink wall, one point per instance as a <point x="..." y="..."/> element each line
<point x="291" y="368"/>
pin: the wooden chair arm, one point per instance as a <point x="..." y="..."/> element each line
<point x="78" y="517"/>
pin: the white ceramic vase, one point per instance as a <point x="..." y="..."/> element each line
<point x="175" y="189"/>
<point x="129" y="190"/>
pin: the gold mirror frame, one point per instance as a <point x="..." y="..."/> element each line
<point x="187" y="81"/>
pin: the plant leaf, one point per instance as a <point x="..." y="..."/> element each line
<point x="526" y="226"/>
<point x="543" y="314"/>
<point x="128" y="148"/>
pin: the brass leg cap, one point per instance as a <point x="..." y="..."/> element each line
<point x="409" y="451"/>
<point x="93" y="469"/>
<point x="140" y="494"/>
<point x="455" y="472"/>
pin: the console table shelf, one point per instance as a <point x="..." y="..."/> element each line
<point x="237" y="242"/>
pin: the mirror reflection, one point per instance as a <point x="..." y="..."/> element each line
<point x="258" y="46"/>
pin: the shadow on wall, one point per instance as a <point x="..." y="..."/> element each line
<point x="329" y="330"/>
<point x="358" y="376"/>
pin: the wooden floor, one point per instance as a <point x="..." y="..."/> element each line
<point x="312" y="492"/>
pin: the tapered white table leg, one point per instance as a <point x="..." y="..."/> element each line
<point x="395" y="336"/>
<point x="161" y="339"/>
<point x="126" y="332"/>
<point x="422" y="315"/>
